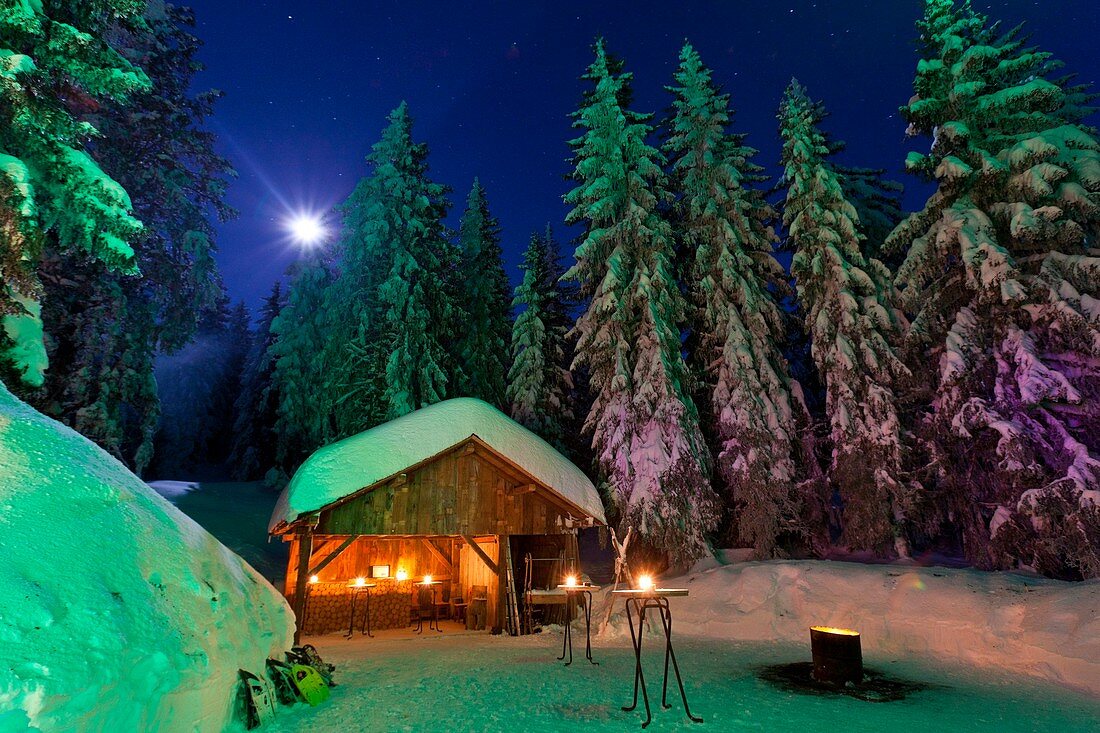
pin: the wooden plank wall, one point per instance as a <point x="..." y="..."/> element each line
<point x="467" y="491"/>
<point x="404" y="553"/>
<point x="473" y="571"/>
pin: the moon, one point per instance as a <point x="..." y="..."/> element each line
<point x="306" y="229"/>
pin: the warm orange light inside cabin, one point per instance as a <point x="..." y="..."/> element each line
<point x="313" y="579"/>
<point x="427" y="580"/>
<point x="402" y="575"/>
<point x="571" y="580"/>
<point x="645" y="582"/>
<point x="360" y="581"/>
<point x="834" y="630"/>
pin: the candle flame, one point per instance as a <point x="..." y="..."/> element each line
<point x="571" y="580"/>
<point x="427" y="580"/>
<point x="360" y="581"/>
<point x="313" y="579"/>
<point x="645" y="582"/>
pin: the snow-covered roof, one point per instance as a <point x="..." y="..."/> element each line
<point x="344" y="467"/>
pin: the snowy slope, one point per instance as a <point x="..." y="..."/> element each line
<point x="117" y="612"/>
<point x="1013" y="623"/>
<point x="351" y="464"/>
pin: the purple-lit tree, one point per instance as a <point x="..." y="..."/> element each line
<point x="1001" y="274"/>
<point x="645" y="427"/>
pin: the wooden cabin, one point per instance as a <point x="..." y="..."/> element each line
<point x="457" y="491"/>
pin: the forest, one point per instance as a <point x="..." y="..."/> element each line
<point x="791" y="364"/>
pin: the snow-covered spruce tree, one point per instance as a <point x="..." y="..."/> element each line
<point x="877" y="201"/>
<point x="48" y="182"/>
<point x="645" y="427"/>
<point x="393" y="299"/>
<point x="853" y="326"/>
<point x="484" y="306"/>
<point x="1001" y="272"/>
<point x="302" y="332"/>
<point x="103" y="328"/>
<point x="739" y="325"/>
<point x="539" y="382"/>
<point x="256" y="408"/>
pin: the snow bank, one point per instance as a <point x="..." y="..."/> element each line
<point x="354" y="463"/>
<point x="117" y="612"/>
<point x="1023" y="625"/>
<point x="173" y="489"/>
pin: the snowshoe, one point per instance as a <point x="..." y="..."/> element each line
<point x="259" y="700"/>
<point x="311" y="685"/>
<point x="307" y="654"/>
<point x="286" y="689"/>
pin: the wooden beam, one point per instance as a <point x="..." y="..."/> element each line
<point x="525" y="489"/>
<point x="305" y="550"/>
<point x="437" y="554"/>
<point x="333" y="555"/>
<point x="481" y="553"/>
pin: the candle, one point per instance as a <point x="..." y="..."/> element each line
<point x="360" y="581"/>
<point x="313" y="579"/>
<point x="571" y="580"/>
<point x="645" y="582"/>
<point x="427" y="580"/>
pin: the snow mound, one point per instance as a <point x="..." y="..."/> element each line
<point x="117" y="612"/>
<point x="354" y="463"/>
<point x="1023" y="625"/>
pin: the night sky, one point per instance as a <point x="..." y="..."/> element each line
<point x="308" y="86"/>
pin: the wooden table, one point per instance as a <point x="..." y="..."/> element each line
<point x="435" y="608"/>
<point x="572" y="592"/>
<point x="356" y="589"/>
<point x="641" y="600"/>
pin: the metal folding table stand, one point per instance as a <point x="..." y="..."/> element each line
<point x="356" y="590"/>
<point x="641" y="601"/>
<point x="572" y="592"/>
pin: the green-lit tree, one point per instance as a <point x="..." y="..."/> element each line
<point x="853" y="326"/>
<point x="738" y="324"/>
<point x="49" y="185"/>
<point x="539" y="382"/>
<point x="484" y="306"/>
<point x="1000" y="271"/>
<point x="645" y="427"/>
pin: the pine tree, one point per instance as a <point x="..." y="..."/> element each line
<point x="485" y="309"/>
<point x="256" y="407"/>
<point x="539" y="382"/>
<point x="853" y="326"/>
<point x="49" y="186"/>
<point x="644" y="424"/>
<point x="180" y="182"/>
<point x="739" y="325"/>
<point x="1001" y="273"/>
<point x="393" y="300"/>
<point x="302" y="332"/>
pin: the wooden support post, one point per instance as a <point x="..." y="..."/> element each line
<point x="305" y="551"/>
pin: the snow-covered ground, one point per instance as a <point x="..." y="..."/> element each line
<point x="473" y="683"/>
<point x="999" y="652"/>
<point x="117" y="612"/>
<point x="1024" y="625"/>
